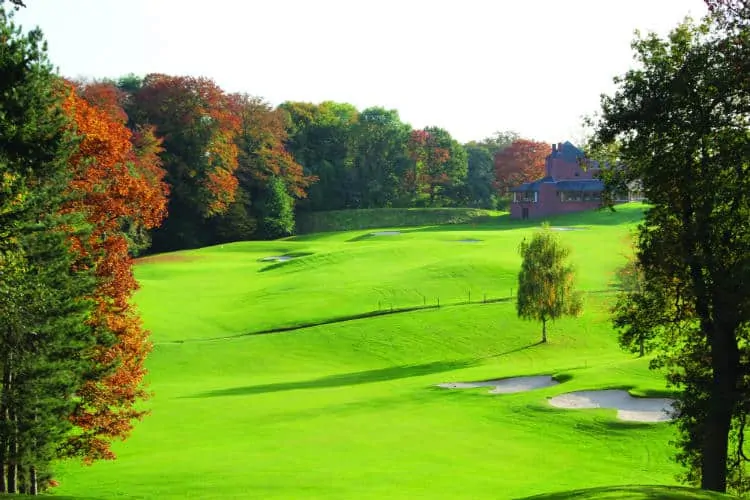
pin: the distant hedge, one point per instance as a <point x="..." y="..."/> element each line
<point x="345" y="220"/>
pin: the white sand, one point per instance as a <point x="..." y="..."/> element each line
<point x="568" y="228"/>
<point x="628" y="407"/>
<point x="277" y="258"/>
<point x="506" y="385"/>
<point x="385" y="233"/>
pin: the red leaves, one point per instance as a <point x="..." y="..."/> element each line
<point x="121" y="180"/>
<point x="199" y="125"/>
<point x="522" y="161"/>
<point x="262" y="136"/>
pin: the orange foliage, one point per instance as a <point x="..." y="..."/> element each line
<point x="195" y="115"/>
<point x="263" y="132"/>
<point x="522" y="161"/>
<point x="119" y="177"/>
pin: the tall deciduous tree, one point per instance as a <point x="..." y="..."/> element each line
<point x="522" y="161"/>
<point x="198" y="125"/>
<point x="119" y="184"/>
<point x="546" y="283"/>
<point x="682" y="122"/>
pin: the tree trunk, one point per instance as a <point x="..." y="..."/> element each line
<point x="8" y="485"/>
<point x="544" y="330"/>
<point x="722" y="398"/>
<point x="32" y="481"/>
<point x="12" y="454"/>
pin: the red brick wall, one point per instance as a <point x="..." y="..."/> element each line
<point x="550" y="204"/>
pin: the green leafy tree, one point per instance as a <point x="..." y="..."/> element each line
<point x="380" y="157"/>
<point x="276" y="211"/>
<point x="630" y="313"/>
<point x="681" y="120"/>
<point x="546" y="283"/>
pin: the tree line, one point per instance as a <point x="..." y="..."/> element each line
<point x="239" y="168"/>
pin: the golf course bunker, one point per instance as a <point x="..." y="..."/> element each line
<point x="385" y="233"/>
<point x="506" y="385"/>
<point x="628" y="407"/>
<point x="560" y="228"/>
<point x="277" y="258"/>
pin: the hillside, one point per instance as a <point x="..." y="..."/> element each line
<point x="351" y="409"/>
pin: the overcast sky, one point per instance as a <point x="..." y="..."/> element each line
<point x="470" y="66"/>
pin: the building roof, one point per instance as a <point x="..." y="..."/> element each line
<point x="532" y="186"/>
<point x="568" y="152"/>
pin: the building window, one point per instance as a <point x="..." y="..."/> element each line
<point x="526" y="197"/>
<point x="572" y="196"/>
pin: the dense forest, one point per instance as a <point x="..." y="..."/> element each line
<point x="238" y="168"/>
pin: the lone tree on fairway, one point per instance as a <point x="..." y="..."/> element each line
<point x="546" y="282"/>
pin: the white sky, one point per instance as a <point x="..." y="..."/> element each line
<point x="470" y="66"/>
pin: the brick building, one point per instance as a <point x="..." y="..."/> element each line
<point x="566" y="186"/>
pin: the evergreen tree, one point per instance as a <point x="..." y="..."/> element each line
<point x="44" y="338"/>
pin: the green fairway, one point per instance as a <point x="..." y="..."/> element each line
<point x="350" y="409"/>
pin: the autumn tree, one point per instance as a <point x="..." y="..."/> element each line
<point x="195" y="119"/>
<point x="45" y="344"/>
<point x="480" y="178"/>
<point x="270" y="180"/>
<point x="440" y="166"/>
<point x="119" y="180"/>
<point x="681" y="120"/>
<point x="522" y="161"/>
<point x="546" y="283"/>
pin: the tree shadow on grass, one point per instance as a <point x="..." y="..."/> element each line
<point x="517" y="349"/>
<point x="355" y="378"/>
<point x="630" y="492"/>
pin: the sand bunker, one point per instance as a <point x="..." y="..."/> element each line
<point x="277" y="258"/>
<point x="506" y="385"/>
<point x="568" y="228"/>
<point x="385" y="233"/>
<point x="628" y="407"/>
<point x="469" y="240"/>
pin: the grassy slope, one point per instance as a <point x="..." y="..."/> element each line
<point x="226" y="290"/>
<point x="350" y="410"/>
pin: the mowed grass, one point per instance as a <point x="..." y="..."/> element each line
<point x="228" y="290"/>
<point x="350" y="409"/>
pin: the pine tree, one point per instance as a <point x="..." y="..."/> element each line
<point x="44" y="340"/>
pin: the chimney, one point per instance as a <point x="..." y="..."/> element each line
<point x="554" y="148"/>
<point x="559" y="146"/>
